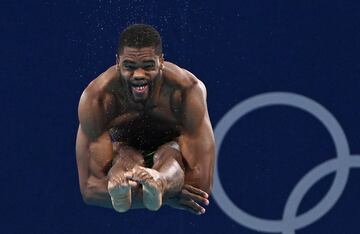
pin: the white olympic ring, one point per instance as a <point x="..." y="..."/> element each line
<point x="290" y="222"/>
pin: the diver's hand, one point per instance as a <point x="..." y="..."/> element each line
<point x="188" y="199"/>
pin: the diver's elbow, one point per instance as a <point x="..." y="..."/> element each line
<point x="87" y="197"/>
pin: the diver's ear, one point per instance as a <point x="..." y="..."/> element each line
<point x="117" y="62"/>
<point x="161" y="60"/>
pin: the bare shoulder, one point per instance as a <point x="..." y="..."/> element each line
<point x="183" y="79"/>
<point x="97" y="103"/>
<point x="101" y="84"/>
<point x="193" y="95"/>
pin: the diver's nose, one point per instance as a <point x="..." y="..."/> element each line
<point x="139" y="73"/>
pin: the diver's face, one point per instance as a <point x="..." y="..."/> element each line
<point x="139" y="67"/>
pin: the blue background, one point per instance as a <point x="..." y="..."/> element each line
<point x="51" y="50"/>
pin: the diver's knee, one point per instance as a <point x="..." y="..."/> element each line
<point x="169" y="151"/>
<point x="171" y="148"/>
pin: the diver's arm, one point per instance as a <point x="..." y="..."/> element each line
<point x="197" y="139"/>
<point x="94" y="154"/>
<point x="198" y="149"/>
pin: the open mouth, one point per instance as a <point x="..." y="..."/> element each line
<point x="140" y="88"/>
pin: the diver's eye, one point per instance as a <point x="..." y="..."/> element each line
<point x="129" y="67"/>
<point x="149" y="67"/>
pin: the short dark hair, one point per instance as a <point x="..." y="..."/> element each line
<point x="139" y="36"/>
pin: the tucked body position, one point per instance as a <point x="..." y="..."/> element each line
<point x="145" y="137"/>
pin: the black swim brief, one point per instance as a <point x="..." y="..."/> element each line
<point x="148" y="157"/>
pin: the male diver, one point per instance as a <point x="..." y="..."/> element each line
<point x="145" y="138"/>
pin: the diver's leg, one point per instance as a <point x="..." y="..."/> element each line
<point x="119" y="187"/>
<point x="164" y="179"/>
<point x="169" y="163"/>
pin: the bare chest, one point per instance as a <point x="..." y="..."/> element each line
<point x="145" y="125"/>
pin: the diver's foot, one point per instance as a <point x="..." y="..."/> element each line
<point x="153" y="186"/>
<point x="120" y="193"/>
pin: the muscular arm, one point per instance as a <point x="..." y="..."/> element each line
<point x="94" y="152"/>
<point x="197" y="139"/>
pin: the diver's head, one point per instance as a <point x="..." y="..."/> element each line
<point x="140" y="59"/>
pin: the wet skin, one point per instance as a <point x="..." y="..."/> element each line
<point x="143" y="103"/>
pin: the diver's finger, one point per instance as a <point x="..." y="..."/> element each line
<point x="128" y="174"/>
<point x="197" y="198"/>
<point x="194" y="207"/>
<point x="196" y="190"/>
<point x="133" y="183"/>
